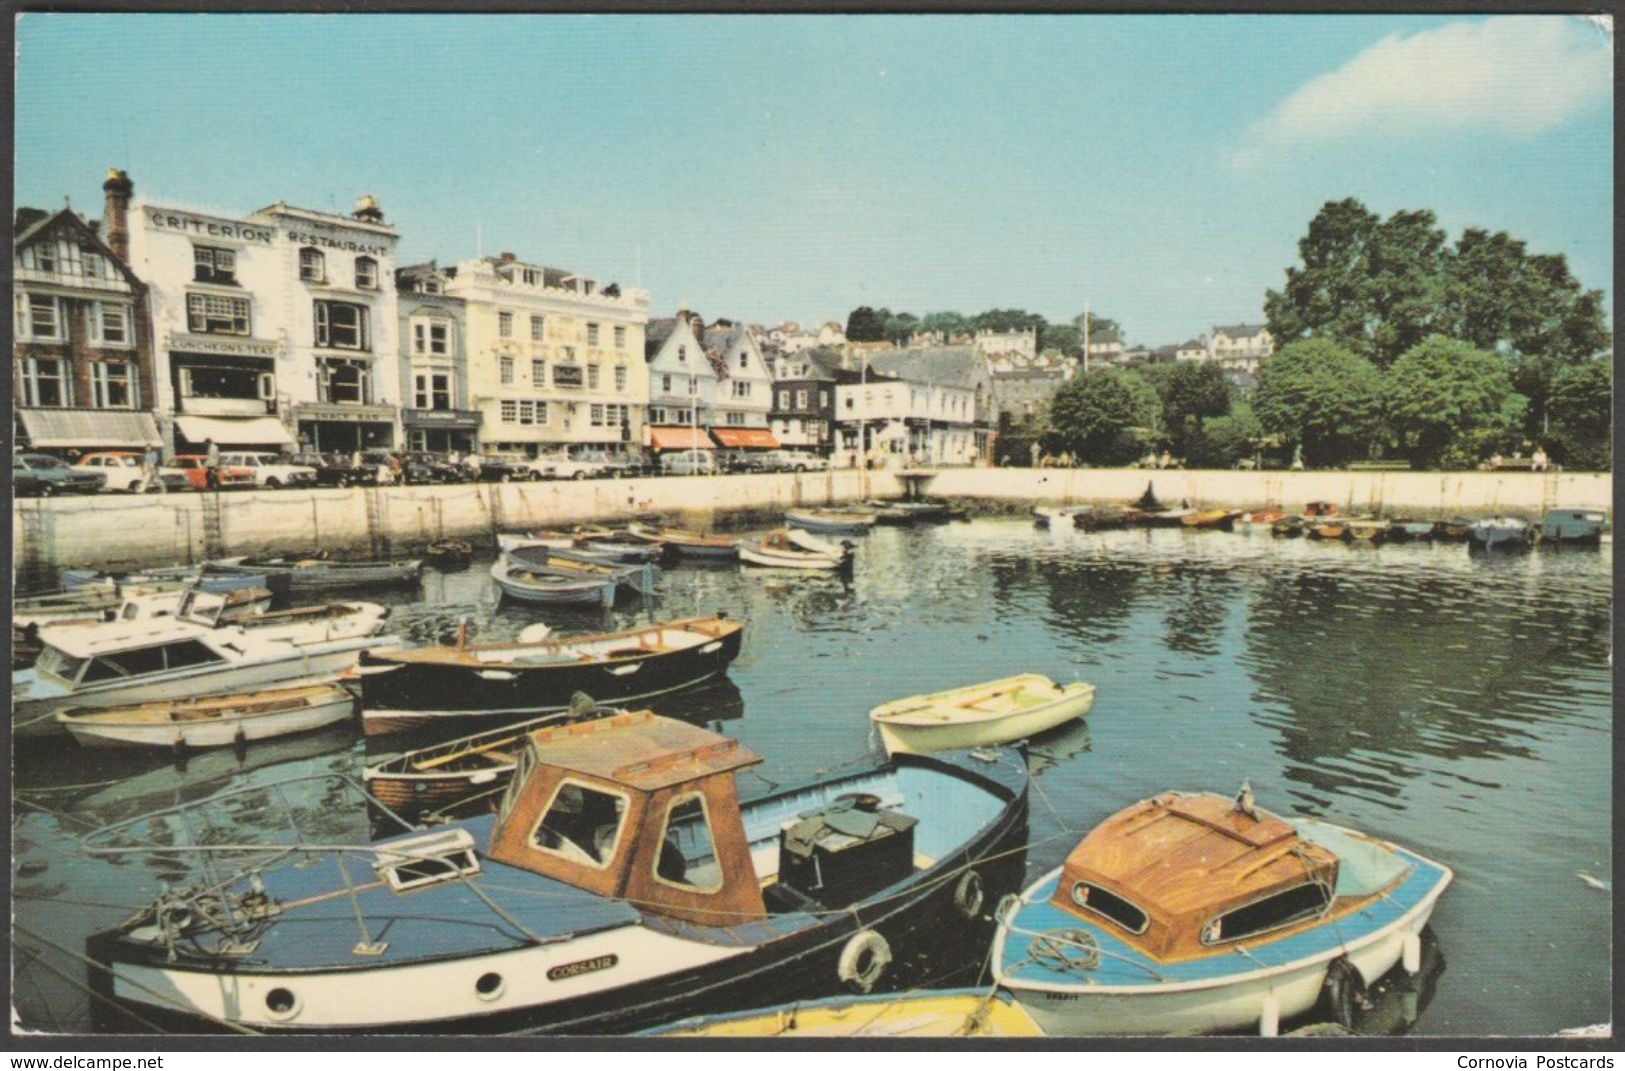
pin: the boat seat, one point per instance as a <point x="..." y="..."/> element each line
<point x="499" y="758"/>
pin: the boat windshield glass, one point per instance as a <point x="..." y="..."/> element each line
<point x="516" y="783"/>
<point x="59" y="663"/>
<point x="688" y="852"/>
<point x="582" y="824"/>
<point x="1270" y="913"/>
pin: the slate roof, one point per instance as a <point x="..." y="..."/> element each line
<point x="960" y="366"/>
<point x="1241" y="330"/>
<point x="655" y="334"/>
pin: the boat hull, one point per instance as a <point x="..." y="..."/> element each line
<point x="903" y="738"/>
<point x="754" y="554"/>
<point x="1224" y="1001"/>
<point x="617" y="979"/>
<point x="815" y="522"/>
<point x="224" y="731"/>
<point x="414" y="694"/>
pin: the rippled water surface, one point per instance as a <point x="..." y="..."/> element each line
<point x="1457" y="704"/>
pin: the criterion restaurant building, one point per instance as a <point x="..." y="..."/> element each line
<point x="274" y="330"/>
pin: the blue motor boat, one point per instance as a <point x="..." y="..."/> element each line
<point x="1501" y="533"/>
<point x="1570" y="525"/>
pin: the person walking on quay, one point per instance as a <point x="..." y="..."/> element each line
<point x="211" y="464"/>
<point x="149" y="470"/>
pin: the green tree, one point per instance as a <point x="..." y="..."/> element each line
<point x="1065" y="338"/>
<point x="864" y="324"/>
<point x="1190" y="391"/>
<point x="949" y="323"/>
<point x="1101" y="328"/>
<point x="1225" y="440"/>
<point x="1101" y="417"/>
<point x="1327" y="297"/>
<point x="1450" y="402"/>
<point x="1581" y="430"/>
<point x="1320" y="396"/>
<point x="900" y="326"/>
<point x="1501" y="298"/>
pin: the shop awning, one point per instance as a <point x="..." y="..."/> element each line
<point x="246" y="431"/>
<point x="88" y="428"/>
<point x="678" y="439"/>
<point x="745" y="438"/>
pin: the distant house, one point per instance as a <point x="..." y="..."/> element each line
<point x="1240" y="347"/>
<point x="744" y="382"/>
<point x="950" y="417"/>
<point x="1194" y="350"/>
<point x="435" y="414"/>
<point x="1022" y="343"/>
<point x="803" y="412"/>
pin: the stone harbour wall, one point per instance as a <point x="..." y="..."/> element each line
<point x="125" y="532"/>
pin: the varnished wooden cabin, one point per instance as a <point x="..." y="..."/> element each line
<point x="636" y="807"/>
<point x="1185" y="876"/>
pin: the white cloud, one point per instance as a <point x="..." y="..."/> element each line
<point x="1511" y="75"/>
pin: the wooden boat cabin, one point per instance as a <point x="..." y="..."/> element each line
<point x="636" y="807"/>
<point x="1184" y="876"/>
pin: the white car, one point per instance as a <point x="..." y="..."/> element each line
<point x="270" y="470"/>
<point x="564" y="467"/>
<point x="124" y="472"/>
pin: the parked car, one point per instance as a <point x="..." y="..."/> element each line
<point x="195" y="467"/>
<point x="44" y="475"/>
<point x="384" y="467"/>
<point x="123" y="471"/>
<point x="420" y="466"/>
<point x="612" y="465"/>
<point x="501" y="469"/>
<point x="335" y="470"/>
<point x="803" y="461"/>
<point x="271" y="470"/>
<point x="689" y="463"/>
<point x="565" y="467"/>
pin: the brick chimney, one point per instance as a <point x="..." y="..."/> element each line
<point x="118" y="188"/>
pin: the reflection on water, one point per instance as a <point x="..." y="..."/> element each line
<point x="1458" y="705"/>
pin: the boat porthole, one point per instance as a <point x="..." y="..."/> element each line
<point x="282" y="1003"/>
<point x="1080" y="894"/>
<point x="489" y="986"/>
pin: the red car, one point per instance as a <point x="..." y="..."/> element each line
<point x="196" y="467"/>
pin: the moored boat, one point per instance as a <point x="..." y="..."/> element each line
<point x="1196" y="913"/>
<point x="433" y="779"/>
<point x="1570" y="525"/>
<point x="1057" y="516"/>
<point x="1452" y="530"/>
<point x="1409" y="530"/>
<point x="405" y="688"/>
<point x="1096" y="518"/>
<point x="780" y="549"/>
<point x="1367" y="529"/>
<point x="1161" y="518"/>
<point x="1261" y="519"/>
<point x="549" y="587"/>
<point x="582" y="565"/>
<point x="1289" y="527"/>
<point x="932" y="1013"/>
<point x="1334" y="528"/>
<point x="686" y="543"/>
<point x="994" y="712"/>
<point x="448" y="553"/>
<point x="620" y="885"/>
<point x="831" y="521"/>
<point x="1501" y="533"/>
<point x="305" y="575"/>
<point x="904" y="511"/>
<point x="1222" y="519"/>
<point x="212" y="721"/>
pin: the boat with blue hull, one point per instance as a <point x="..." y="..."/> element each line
<point x="1196" y="913"/>
<point x="621" y="885"/>
<point x="542" y="586"/>
<point x="638" y="577"/>
<point x="1570" y="525"/>
<point x="1501" y="533"/>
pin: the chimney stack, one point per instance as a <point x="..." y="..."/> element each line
<point x="367" y="210"/>
<point x="118" y="188"/>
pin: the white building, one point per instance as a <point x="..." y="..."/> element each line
<point x="682" y="385"/>
<point x="898" y="422"/>
<point x="1241" y="347"/>
<point x="274" y="328"/>
<point x="1195" y="349"/>
<point x="744" y="386"/>
<point x="1014" y="344"/>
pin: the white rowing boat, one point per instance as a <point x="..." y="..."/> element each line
<point x="978" y="715"/>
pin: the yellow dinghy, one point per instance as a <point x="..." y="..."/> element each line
<point x="949" y="1013"/>
<point x="996" y="712"/>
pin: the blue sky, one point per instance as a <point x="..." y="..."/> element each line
<point x="1159" y="168"/>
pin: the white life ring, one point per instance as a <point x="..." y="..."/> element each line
<point x="968" y="894"/>
<point x="863" y="961"/>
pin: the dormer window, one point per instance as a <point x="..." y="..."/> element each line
<point x="366" y="273"/>
<point x="312" y="266"/>
<point x="531" y="276"/>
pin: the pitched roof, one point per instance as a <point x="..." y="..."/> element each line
<point x="961" y="366"/>
<point x="721" y="337"/>
<point x="45" y="221"/>
<point x="655" y="334"/>
<point x="1246" y="330"/>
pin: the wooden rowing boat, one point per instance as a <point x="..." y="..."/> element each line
<point x="946" y="1013"/>
<point x="687" y="543"/>
<point x="977" y="715"/>
<point x="1222" y="519"/>
<point x="212" y="721"/>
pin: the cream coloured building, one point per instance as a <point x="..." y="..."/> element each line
<point x="555" y="360"/>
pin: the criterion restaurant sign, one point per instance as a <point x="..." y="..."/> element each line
<point x="165" y="219"/>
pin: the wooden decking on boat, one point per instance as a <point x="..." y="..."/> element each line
<point x="660" y="638"/>
<point x="1182" y="860"/>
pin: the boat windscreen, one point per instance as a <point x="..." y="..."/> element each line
<point x="1363" y="867"/>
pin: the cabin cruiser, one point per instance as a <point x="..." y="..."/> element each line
<point x="199" y="650"/>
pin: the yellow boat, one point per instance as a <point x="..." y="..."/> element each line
<point x="996" y="712"/>
<point x="950" y="1013"/>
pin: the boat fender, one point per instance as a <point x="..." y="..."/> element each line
<point x="1342" y="993"/>
<point x="968" y="894"/>
<point x="863" y="961"/>
<point x="1005" y="909"/>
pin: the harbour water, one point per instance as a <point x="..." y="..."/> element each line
<point x="1456" y="704"/>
